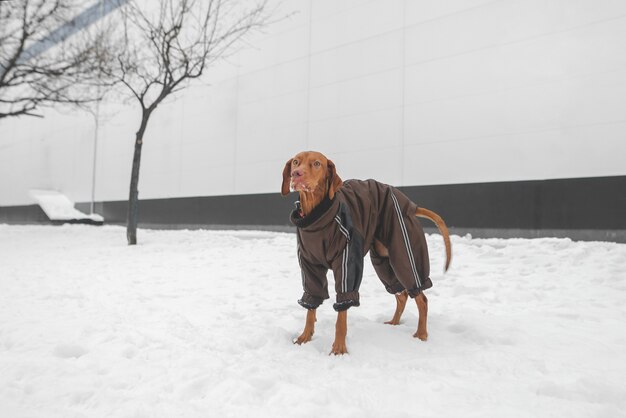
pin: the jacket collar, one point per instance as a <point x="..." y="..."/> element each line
<point x="317" y="213"/>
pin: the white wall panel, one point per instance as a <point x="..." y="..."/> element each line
<point x="267" y="127"/>
<point x="116" y="140"/>
<point x="325" y="8"/>
<point x="411" y="92"/>
<point x="281" y="79"/>
<point x="360" y="95"/>
<point x="420" y="11"/>
<point x="596" y="48"/>
<point x="369" y="56"/>
<point x="46" y="153"/>
<point x="273" y="141"/>
<point x="364" y="20"/>
<point x="491" y="70"/>
<point x="286" y="39"/>
<point x="260" y="176"/>
<point x="384" y="165"/>
<point x="594" y="100"/>
<point x="209" y="132"/>
<point x="512" y="111"/>
<point x="160" y="162"/>
<point x="503" y="22"/>
<point x="372" y="130"/>
<point x="596" y="147"/>
<point x="509" y="157"/>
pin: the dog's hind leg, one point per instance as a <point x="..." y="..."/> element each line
<point x="422" y="308"/>
<point x="401" y="299"/>
<point x="309" y="328"/>
<point x="380" y="260"/>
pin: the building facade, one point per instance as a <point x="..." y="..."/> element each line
<point x="507" y="117"/>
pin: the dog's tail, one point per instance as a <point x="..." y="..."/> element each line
<point x="441" y="225"/>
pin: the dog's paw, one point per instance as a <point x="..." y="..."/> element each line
<point x="393" y="322"/>
<point x="421" y="335"/>
<point x="338" y="349"/>
<point x="303" y="339"/>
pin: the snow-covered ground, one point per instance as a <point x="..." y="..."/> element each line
<point x="200" y="324"/>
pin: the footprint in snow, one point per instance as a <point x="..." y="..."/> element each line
<point x="69" y="351"/>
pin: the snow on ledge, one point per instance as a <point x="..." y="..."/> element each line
<point x="59" y="207"/>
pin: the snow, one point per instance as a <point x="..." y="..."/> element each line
<point x="59" y="207"/>
<point x="200" y="323"/>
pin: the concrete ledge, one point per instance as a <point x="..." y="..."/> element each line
<point x="618" y="236"/>
<point x="573" y="234"/>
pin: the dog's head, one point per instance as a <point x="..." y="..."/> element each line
<point x="311" y="172"/>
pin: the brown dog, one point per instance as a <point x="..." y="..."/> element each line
<point x="338" y="223"/>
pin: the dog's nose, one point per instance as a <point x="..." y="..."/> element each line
<point x="296" y="173"/>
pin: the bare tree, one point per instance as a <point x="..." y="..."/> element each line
<point x="169" y="43"/>
<point x="47" y="56"/>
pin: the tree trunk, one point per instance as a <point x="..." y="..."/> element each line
<point x="133" y="197"/>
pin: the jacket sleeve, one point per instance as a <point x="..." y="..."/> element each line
<point x="314" y="282"/>
<point x="347" y="265"/>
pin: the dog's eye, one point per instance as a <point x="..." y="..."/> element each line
<point x="295" y="162"/>
<point x="317" y="164"/>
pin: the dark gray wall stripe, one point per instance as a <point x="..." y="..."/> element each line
<point x="22" y="214"/>
<point x="584" y="204"/>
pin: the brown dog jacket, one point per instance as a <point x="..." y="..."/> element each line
<point x="338" y="233"/>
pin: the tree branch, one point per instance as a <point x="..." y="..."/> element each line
<point x="65" y="73"/>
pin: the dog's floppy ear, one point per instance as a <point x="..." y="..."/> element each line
<point x="284" y="190"/>
<point x="334" y="181"/>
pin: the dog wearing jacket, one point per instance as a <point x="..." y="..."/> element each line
<point x="338" y="223"/>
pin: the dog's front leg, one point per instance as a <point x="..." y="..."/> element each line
<point x="341" y="330"/>
<point x="309" y="328"/>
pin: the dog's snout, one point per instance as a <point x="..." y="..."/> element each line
<point x="296" y="173"/>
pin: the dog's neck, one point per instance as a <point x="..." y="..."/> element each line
<point x="309" y="200"/>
